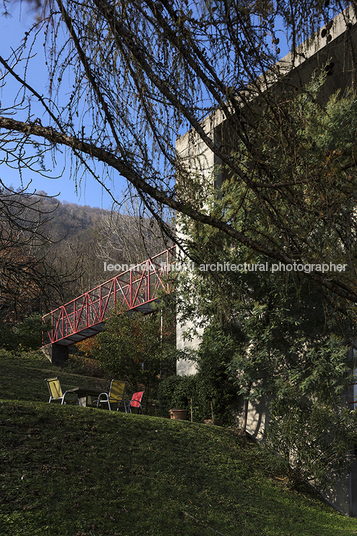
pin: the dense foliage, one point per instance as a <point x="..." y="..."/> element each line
<point x="212" y="389"/>
<point x="23" y="336"/>
<point x="310" y="440"/>
<point x="134" y="348"/>
<point x="289" y="353"/>
<point x="28" y="280"/>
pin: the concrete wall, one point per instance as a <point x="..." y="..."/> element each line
<point x="200" y="162"/>
<point x="56" y="353"/>
<point x="333" y="47"/>
<point x="183" y="366"/>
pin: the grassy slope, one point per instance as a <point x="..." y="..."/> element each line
<point x="80" y="471"/>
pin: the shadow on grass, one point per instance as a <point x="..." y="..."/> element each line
<point x="80" y="471"/>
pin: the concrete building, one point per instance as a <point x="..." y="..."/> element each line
<point x="334" y="47"/>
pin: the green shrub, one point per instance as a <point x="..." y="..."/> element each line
<point x="84" y="366"/>
<point x="29" y="332"/>
<point x="177" y="392"/>
<point x="215" y="381"/>
<point x="213" y="385"/>
<point x="8" y="339"/>
<point x="309" y="441"/>
<point x="26" y="335"/>
<point x="131" y="348"/>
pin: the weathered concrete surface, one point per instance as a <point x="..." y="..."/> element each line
<point x="56" y="353"/>
<point x="333" y="48"/>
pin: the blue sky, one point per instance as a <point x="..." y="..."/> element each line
<point x="90" y="193"/>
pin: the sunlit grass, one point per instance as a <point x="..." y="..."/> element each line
<point x="75" y="471"/>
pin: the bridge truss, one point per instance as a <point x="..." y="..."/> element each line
<point x="135" y="289"/>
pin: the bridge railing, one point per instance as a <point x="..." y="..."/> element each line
<point x="133" y="289"/>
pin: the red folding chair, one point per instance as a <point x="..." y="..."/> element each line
<point x="135" y="401"/>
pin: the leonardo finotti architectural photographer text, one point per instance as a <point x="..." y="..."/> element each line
<point x="227" y="267"/>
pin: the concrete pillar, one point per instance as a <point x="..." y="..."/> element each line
<point x="353" y="488"/>
<point x="56" y="353"/>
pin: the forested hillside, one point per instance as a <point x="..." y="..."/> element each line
<point x="83" y="238"/>
<point x="68" y="219"/>
<point x="52" y="251"/>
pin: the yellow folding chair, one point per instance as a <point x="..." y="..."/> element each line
<point x="56" y="393"/>
<point x="116" y="395"/>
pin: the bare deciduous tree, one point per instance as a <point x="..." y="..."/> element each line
<point x="142" y="73"/>
<point x="129" y="237"/>
<point x="28" y="283"/>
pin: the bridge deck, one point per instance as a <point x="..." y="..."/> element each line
<point x="133" y="290"/>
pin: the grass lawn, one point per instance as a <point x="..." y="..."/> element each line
<point x="73" y="471"/>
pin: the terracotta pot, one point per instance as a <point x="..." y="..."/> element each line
<point x="178" y="414"/>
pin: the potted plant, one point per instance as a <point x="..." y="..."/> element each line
<point x="178" y="414"/>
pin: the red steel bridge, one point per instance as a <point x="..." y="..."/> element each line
<point x="134" y="290"/>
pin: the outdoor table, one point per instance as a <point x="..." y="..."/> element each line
<point x="86" y="396"/>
